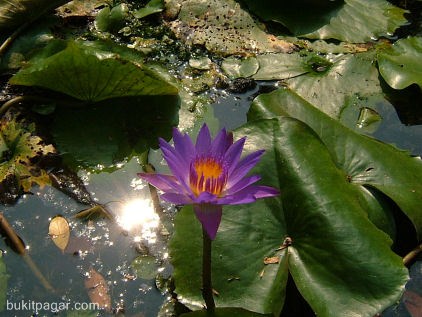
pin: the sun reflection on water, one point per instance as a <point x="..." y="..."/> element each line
<point x="139" y="216"/>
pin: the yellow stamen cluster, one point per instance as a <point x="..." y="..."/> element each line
<point x="207" y="174"/>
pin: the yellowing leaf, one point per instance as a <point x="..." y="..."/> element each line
<point x="20" y="151"/>
<point x="59" y="232"/>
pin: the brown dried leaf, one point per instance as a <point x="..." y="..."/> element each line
<point x="59" y="231"/>
<point x="97" y="290"/>
<point x="271" y="260"/>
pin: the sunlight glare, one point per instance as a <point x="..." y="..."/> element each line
<point x="138" y="214"/>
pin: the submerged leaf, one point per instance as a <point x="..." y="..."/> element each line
<point x="97" y="289"/>
<point x="145" y="266"/>
<point x="59" y="231"/>
<point x="87" y="73"/>
<point x="400" y="65"/>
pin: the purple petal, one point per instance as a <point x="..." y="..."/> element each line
<point x="233" y="153"/>
<point x="221" y="143"/>
<point x="249" y="195"/>
<point x="178" y="199"/>
<point x="210" y="218"/>
<point x="178" y="166"/>
<point x="166" y="183"/>
<point x="206" y="198"/>
<point x="242" y="183"/>
<point x="183" y="145"/>
<point x="243" y="167"/>
<point x="203" y="141"/>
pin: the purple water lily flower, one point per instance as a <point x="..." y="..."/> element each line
<point x="208" y="175"/>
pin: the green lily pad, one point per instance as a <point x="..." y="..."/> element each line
<point x="355" y="21"/>
<point x="366" y="161"/>
<point x="235" y="68"/>
<point x="400" y="65"/>
<point x="90" y="74"/>
<point x="3" y="284"/>
<point x="145" y="266"/>
<point x="328" y="83"/>
<point x="111" y="20"/>
<point x="222" y="26"/>
<point x="154" y="6"/>
<point x="332" y="242"/>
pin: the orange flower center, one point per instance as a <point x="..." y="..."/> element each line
<point x="207" y="174"/>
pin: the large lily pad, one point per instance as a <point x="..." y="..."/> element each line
<point x="366" y="161"/>
<point x="355" y="21"/>
<point x="223" y="27"/>
<point x="90" y="74"/>
<point x="400" y="65"/>
<point x="341" y="263"/>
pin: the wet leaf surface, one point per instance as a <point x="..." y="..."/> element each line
<point x="90" y="74"/>
<point x="353" y="21"/>
<point x="400" y="65"/>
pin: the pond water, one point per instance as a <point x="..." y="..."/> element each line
<point x="130" y="252"/>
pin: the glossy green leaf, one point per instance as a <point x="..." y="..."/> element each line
<point x="154" y="6"/>
<point x="111" y="20"/>
<point x="355" y="21"/>
<point x="16" y="12"/>
<point x="87" y="73"/>
<point x="366" y="161"/>
<point x="400" y="65"/>
<point x="239" y="274"/>
<point x="337" y="257"/>
<point x="330" y="82"/>
<point x="3" y="283"/>
<point x="235" y="68"/>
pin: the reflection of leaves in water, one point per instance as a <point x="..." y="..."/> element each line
<point x="20" y="151"/>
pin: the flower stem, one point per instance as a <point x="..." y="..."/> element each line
<point x="207" y="292"/>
